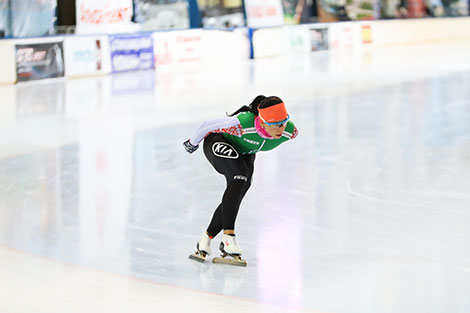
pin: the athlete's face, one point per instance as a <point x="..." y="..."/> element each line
<point x="275" y="130"/>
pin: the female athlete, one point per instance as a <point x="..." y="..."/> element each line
<point x="230" y="145"/>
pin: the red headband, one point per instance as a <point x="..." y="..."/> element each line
<point x="274" y="113"/>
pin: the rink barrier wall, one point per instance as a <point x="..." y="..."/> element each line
<point x="281" y="40"/>
<point x="414" y="31"/>
<point x="274" y="41"/>
<point x="351" y="35"/>
<point x="90" y="55"/>
<point x="7" y="62"/>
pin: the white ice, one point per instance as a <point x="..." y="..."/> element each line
<point x="367" y="211"/>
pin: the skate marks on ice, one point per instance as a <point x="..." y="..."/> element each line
<point x="88" y="290"/>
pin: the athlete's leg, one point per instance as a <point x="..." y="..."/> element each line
<point x="238" y="171"/>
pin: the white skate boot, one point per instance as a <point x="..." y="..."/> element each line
<point x="229" y="247"/>
<point x="203" y="248"/>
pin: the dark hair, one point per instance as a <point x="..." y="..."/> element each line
<point x="261" y="102"/>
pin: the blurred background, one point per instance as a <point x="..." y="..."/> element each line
<point x="27" y="18"/>
<point x="70" y="38"/>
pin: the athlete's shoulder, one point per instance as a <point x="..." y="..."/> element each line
<point x="291" y="130"/>
<point x="246" y="115"/>
<point x="247" y="119"/>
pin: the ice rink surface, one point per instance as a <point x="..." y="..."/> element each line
<point x="367" y="211"/>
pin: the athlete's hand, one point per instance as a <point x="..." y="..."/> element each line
<point x="189" y="147"/>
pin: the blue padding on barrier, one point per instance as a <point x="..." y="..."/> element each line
<point x="194" y="15"/>
<point x="250" y="38"/>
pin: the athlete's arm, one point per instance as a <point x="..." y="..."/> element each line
<point x="227" y="124"/>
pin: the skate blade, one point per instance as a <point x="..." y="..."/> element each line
<point x="197" y="257"/>
<point x="229" y="260"/>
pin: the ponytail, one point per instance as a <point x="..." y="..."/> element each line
<point x="252" y="107"/>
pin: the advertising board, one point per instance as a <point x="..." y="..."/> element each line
<point x="198" y="45"/>
<point x="86" y="55"/>
<point x="264" y="13"/>
<point x="39" y="60"/>
<point x="318" y="37"/>
<point x="103" y="16"/>
<point x="131" y="52"/>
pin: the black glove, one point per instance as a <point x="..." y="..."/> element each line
<point x="189" y="147"/>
